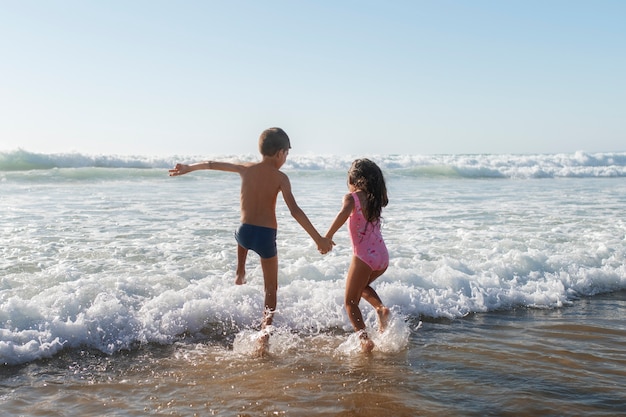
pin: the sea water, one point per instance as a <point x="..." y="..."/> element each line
<point x="107" y="256"/>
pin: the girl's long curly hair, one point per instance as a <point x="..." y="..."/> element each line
<point x="366" y="176"/>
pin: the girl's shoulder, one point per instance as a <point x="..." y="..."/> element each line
<point x="359" y="195"/>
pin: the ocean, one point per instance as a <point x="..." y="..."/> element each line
<point x="507" y="283"/>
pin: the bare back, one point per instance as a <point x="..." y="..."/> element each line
<point x="260" y="185"/>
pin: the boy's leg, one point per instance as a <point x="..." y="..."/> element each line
<point x="270" y="278"/>
<point x="242" y="254"/>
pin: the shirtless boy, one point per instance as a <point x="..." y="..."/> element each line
<point x="260" y="184"/>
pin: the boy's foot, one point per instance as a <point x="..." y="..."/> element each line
<point x="262" y="346"/>
<point x="383" y="318"/>
<point x="268" y="318"/>
<point x="240" y="278"/>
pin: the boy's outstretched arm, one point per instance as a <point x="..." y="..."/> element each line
<point x="181" y="169"/>
<point x="324" y="245"/>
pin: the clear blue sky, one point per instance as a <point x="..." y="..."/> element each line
<point x="341" y="77"/>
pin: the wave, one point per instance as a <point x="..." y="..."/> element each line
<point x="565" y="165"/>
<point x="21" y="160"/>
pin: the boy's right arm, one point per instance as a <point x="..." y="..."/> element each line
<point x="181" y="169"/>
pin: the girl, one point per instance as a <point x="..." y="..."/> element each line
<point x="363" y="207"/>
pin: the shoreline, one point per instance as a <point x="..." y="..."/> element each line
<point x="565" y="361"/>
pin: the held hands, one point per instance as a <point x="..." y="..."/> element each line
<point x="325" y="245"/>
<point x="179" y="169"/>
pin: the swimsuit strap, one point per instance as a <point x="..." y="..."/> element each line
<point x="357" y="202"/>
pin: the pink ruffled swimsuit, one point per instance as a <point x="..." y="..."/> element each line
<point x="367" y="240"/>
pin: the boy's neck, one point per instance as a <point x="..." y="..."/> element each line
<point x="276" y="160"/>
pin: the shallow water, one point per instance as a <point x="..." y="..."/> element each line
<point x="566" y="361"/>
<point x="117" y="295"/>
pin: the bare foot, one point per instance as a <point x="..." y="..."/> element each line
<point x="366" y="343"/>
<point x="383" y="318"/>
<point x="240" y="278"/>
<point x="262" y="346"/>
<point x="268" y="318"/>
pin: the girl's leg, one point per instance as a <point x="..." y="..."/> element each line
<point x="270" y="279"/>
<point x="368" y="292"/>
<point x="240" y="274"/>
<point x="357" y="280"/>
<point x="372" y="297"/>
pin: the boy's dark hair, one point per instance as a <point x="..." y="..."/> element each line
<point x="273" y="140"/>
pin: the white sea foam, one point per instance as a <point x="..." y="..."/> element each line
<point x="577" y="165"/>
<point x="127" y="256"/>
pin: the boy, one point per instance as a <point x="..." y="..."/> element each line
<point x="260" y="184"/>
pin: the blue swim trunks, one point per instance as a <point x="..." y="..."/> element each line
<point x="260" y="239"/>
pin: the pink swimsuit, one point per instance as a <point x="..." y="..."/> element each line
<point x="367" y="241"/>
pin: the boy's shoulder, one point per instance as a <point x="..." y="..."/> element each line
<point x="262" y="172"/>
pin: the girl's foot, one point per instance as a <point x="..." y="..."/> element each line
<point x="383" y="318"/>
<point x="366" y="344"/>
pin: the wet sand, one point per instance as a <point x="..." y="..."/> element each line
<point x="528" y="362"/>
